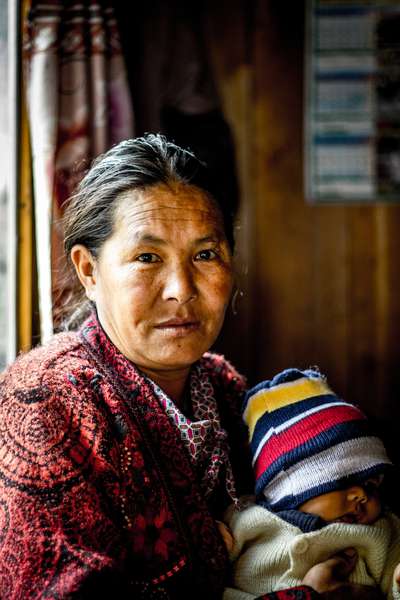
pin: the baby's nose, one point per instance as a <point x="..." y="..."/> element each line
<point x="357" y="494"/>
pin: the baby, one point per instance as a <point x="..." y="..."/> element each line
<point x="318" y="470"/>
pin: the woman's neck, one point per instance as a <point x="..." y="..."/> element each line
<point x="173" y="383"/>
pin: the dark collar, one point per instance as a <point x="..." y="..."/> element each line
<point x="304" y="521"/>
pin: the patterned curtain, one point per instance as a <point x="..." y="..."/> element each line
<point x="79" y="105"/>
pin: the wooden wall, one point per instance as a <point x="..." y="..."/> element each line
<point x="321" y="284"/>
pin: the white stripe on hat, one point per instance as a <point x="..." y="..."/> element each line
<point x="286" y="424"/>
<point x="330" y="465"/>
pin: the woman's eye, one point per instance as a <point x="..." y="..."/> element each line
<point x="206" y="255"/>
<point x="148" y="257"/>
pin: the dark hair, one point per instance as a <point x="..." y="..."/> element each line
<point x="133" y="164"/>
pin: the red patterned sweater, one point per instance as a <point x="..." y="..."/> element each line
<point x="98" y="495"/>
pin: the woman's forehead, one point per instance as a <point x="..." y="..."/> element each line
<point x="164" y="204"/>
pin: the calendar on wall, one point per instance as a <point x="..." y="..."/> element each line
<point x="352" y="108"/>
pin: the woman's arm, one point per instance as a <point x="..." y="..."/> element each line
<point x="302" y="592"/>
<point x="59" y="533"/>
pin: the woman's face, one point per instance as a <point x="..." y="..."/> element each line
<point x="162" y="281"/>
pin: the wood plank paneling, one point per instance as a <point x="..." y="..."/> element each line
<point x="283" y="223"/>
<point x="387" y="388"/>
<point x="362" y="316"/>
<point x="233" y="73"/>
<point x="25" y="241"/>
<point x="324" y="283"/>
<point x="330" y="297"/>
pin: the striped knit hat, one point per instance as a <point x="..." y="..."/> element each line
<point x="306" y="441"/>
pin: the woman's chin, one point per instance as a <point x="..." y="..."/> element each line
<point x="180" y="350"/>
<point x="176" y="361"/>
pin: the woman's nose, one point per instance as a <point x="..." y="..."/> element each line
<point x="179" y="284"/>
<point x="357" y="494"/>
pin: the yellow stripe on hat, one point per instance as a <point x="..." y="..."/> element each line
<point x="268" y="400"/>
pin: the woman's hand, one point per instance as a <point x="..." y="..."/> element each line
<point x="329" y="578"/>
<point x="226" y="535"/>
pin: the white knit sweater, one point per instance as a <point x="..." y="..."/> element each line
<point x="270" y="554"/>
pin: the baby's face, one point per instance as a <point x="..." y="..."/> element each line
<point x="356" y="504"/>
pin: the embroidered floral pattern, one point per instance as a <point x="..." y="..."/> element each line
<point x="152" y="534"/>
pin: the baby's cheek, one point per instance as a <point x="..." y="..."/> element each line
<point x="376" y="508"/>
<point x="372" y="511"/>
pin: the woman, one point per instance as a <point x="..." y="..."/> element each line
<point x="120" y="444"/>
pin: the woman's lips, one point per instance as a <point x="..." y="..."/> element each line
<point x="178" y="327"/>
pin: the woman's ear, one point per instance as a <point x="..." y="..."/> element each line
<point x="85" y="267"/>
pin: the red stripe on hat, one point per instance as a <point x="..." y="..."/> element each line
<point x="302" y="432"/>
